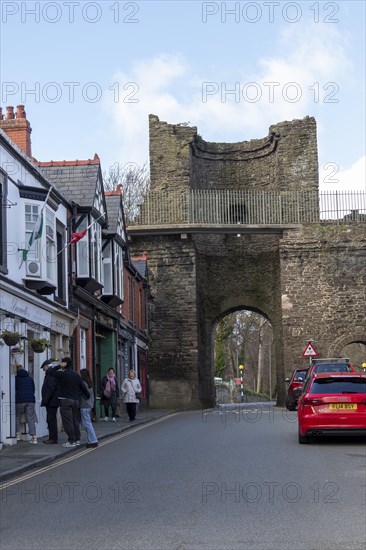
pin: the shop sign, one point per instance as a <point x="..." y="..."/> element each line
<point x="62" y="324"/>
<point x="21" y="308"/>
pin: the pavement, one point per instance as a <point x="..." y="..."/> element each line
<point x="17" y="459"/>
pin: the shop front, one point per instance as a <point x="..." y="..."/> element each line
<point x="43" y="334"/>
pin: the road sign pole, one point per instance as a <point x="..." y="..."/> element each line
<point x="241" y="368"/>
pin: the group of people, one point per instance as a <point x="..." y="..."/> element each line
<point x="131" y="389"/>
<point x="74" y="394"/>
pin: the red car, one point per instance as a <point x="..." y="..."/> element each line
<point x="328" y="365"/>
<point x="332" y="404"/>
<point x="295" y="387"/>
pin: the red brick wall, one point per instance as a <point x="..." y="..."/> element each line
<point x="133" y="309"/>
<point x="18" y="129"/>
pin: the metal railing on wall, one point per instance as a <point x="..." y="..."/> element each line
<point x="220" y="207"/>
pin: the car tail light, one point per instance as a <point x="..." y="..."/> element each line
<point x="312" y="401"/>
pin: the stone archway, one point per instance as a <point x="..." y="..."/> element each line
<point x="244" y="336"/>
<point x="358" y="335"/>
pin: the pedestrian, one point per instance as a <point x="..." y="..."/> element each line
<point x="130" y="387"/>
<point x="70" y="388"/>
<point x="50" y="401"/>
<point x="109" y="394"/>
<point x="25" y="402"/>
<point x="86" y="406"/>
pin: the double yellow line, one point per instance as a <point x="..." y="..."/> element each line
<point x="85" y="451"/>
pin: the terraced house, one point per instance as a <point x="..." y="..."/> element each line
<point x="66" y="275"/>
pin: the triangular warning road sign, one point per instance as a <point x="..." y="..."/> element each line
<point x="309" y="351"/>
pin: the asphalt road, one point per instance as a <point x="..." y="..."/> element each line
<point x="224" y="479"/>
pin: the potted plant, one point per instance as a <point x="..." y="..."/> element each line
<point x="11" y="338"/>
<point x="38" y="345"/>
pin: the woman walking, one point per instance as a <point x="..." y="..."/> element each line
<point x="86" y="406"/>
<point x="130" y="387"/>
<point x="109" y="394"/>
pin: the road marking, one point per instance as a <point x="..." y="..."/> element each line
<point x="85" y="451"/>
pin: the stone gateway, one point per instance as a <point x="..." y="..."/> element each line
<point x="308" y="279"/>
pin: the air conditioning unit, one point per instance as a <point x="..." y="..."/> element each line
<point x="33" y="268"/>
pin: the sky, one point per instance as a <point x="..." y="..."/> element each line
<point x="89" y="74"/>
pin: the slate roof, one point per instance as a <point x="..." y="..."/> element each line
<point x="141" y="266"/>
<point x="77" y="182"/>
<point x="113" y="208"/>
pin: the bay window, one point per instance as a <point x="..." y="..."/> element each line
<point x="89" y="251"/>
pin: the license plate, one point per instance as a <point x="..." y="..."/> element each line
<point x="342" y="406"/>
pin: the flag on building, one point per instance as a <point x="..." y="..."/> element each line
<point x="75" y="237"/>
<point x="36" y="234"/>
<point x="37" y="230"/>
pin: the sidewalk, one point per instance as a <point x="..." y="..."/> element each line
<point x="16" y="459"/>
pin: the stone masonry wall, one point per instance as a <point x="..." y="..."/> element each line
<point x="285" y="160"/>
<point x="173" y="347"/>
<point x="323" y="270"/>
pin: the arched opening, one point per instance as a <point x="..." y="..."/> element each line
<point x="356" y="352"/>
<point x="243" y="358"/>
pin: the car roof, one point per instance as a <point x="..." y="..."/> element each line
<point x="301" y="368"/>
<point x="321" y="375"/>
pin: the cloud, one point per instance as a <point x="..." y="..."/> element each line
<point x="334" y="178"/>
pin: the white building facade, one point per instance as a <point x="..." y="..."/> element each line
<point x="34" y="287"/>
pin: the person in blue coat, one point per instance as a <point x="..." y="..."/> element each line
<point x="25" y="402"/>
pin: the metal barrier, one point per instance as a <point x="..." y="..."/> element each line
<point x="206" y="207"/>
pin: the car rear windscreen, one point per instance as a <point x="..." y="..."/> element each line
<point x="337" y="385"/>
<point x="331" y="367"/>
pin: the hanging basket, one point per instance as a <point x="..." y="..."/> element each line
<point x="11" y="339"/>
<point x="38" y="348"/>
<point x="38" y="345"/>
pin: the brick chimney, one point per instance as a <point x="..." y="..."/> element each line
<point x="17" y="127"/>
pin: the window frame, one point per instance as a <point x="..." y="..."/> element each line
<point x="82" y="341"/>
<point x="51" y="264"/>
<point x="3" y="222"/>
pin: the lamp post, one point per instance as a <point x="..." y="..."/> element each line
<point x="241" y="369"/>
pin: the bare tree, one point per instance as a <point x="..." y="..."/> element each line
<point x="135" y="183"/>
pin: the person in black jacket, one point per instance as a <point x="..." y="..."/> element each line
<point x="25" y="402"/>
<point x="70" y="387"/>
<point x="50" y="401"/>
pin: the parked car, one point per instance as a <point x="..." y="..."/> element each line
<point x="332" y="364"/>
<point x="295" y="387"/>
<point x="332" y="404"/>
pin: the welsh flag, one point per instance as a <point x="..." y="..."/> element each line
<point x="37" y="230"/>
<point x="36" y="234"/>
